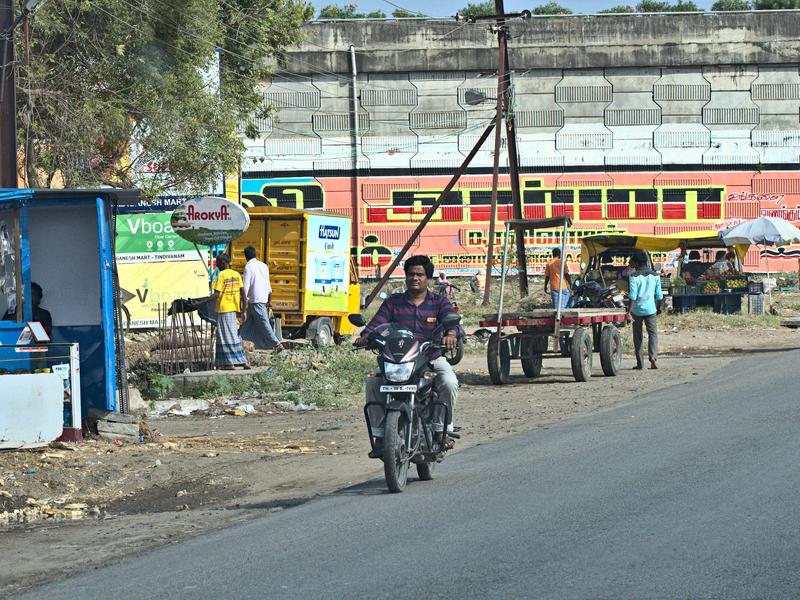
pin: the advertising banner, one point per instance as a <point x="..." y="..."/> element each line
<point x="143" y="236"/>
<point x="150" y="284"/>
<point x="327" y="270"/>
<point x="155" y="266"/>
<point x="209" y="220"/>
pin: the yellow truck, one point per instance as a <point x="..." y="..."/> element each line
<point x="314" y="281"/>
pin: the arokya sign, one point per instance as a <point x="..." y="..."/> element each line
<point x="209" y="220"/>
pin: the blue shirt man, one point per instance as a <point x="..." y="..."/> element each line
<point x="644" y="292"/>
<point x="644" y="288"/>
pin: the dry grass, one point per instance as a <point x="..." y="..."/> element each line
<point x="708" y="320"/>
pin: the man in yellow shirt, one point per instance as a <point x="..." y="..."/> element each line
<point x="552" y="278"/>
<point x="230" y="302"/>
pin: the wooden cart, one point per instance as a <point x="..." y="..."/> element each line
<point x="576" y="332"/>
<point x="580" y="333"/>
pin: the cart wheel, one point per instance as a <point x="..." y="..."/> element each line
<point x="581" y="354"/>
<point x="531" y="357"/>
<point x="499" y="364"/>
<point x="610" y="350"/>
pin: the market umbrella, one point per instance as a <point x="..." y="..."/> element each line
<point x="764" y="231"/>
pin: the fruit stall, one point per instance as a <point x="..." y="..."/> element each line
<point x="709" y="275"/>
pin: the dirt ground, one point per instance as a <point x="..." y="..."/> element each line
<point x="82" y="506"/>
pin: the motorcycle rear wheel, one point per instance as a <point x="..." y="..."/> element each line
<point x="395" y="453"/>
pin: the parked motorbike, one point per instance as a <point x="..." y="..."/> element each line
<point x="590" y="294"/>
<point x="410" y="399"/>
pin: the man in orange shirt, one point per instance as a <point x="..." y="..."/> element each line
<point x="552" y="279"/>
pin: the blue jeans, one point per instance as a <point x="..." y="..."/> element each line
<point x="566" y="299"/>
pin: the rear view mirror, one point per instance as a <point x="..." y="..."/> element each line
<point x="357" y="320"/>
<point x="451" y="319"/>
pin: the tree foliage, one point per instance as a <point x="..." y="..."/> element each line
<point x="348" y="11"/>
<point x="647" y="6"/>
<point x="775" y="4"/>
<point x="118" y="92"/>
<point x="482" y="9"/>
<point x="551" y="8"/>
<point x="720" y="5"/>
<point x="618" y="9"/>
<point x="402" y="13"/>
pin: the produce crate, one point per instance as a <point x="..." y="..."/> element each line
<point x="755" y="287"/>
<point x="683" y="304"/>
<point x="665" y="283"/>
<point x="736" y="284"/>
<point x="692" y="289"/>
<point x="728" y="304"/>
<point x="755" y="304"/>
<point x="678" y="290"/>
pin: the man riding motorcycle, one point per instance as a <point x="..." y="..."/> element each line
<point x="420" y="311"/>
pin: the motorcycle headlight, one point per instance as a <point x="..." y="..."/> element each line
<point x="397" y="372"/>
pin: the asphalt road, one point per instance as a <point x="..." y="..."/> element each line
<point x="688" y="493"/>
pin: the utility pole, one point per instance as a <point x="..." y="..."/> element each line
<point x="498" y="123"/>
<point x="503" y="109"/>
<point x="8" y="98"/>
<point x="504" y="112"/>
<point x="356" y="142"/>
<point x="513" y="169"/>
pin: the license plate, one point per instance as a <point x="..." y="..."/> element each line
<point x="618" y="297"/>
<point x="398" y="388"/>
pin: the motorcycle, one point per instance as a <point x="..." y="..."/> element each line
<point x="590" y="294"/>
<point x="409" y="398"/>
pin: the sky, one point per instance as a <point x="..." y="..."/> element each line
<point x="448" y="8"/>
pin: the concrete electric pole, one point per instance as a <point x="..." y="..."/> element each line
<point x="503" y="113"/>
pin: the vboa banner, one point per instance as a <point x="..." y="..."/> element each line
<point x="155" y="266"/>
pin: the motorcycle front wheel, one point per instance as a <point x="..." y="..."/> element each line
<point x="395" y="453"/>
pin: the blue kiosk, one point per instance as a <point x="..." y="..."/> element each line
<point x="63" y="240"/>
